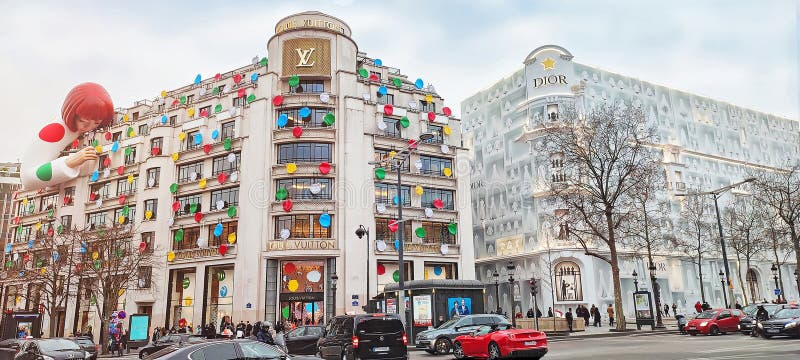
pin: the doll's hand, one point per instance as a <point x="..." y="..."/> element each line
<point x="77" y="159"/>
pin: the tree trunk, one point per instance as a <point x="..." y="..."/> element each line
<point x="700" y="275"/>
<point x="796" y="244"/>
<point x="612" y="246"/>
<point x="749" y="285"/>
<point x="739" y="272"/>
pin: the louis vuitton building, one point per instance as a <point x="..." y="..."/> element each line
<point x="706" y="144"/>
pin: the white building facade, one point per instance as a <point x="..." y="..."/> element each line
<point x="274" y="157"/>
<point x="705" y="143"/>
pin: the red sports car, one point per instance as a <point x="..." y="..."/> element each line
<point x="714" y="322"/>
<point x="499" y="341"/>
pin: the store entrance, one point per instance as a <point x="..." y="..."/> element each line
<point x="299" y="313"/>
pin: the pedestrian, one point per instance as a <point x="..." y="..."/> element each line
<point x="596" y="316"/>
<point x="568" y="316"/>
<point x="737" y="306"/>
<point x="280" y="337"/>
<point x="666" y="310"/>
<point x="248" y="329"/>
<point x="586" y="316"/>
<point x="125" y="342"/>
<point x="674" y="309"/>
<point x="761" y="315"/>
<point x="549" y="312"/>
<point x="538" y="312"/>
<point x="706" y="306"/>
<point x="698" y="308"/>
<point x="610" y="311"/>
<point x="264" y="335"/>
<point x="530" y="313"/>
<point x="156" y="332"/>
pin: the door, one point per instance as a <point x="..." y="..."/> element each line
<point x="478" y="344"/>
<point x="724" y="320"/>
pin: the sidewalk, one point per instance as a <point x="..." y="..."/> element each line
<point x="605" y="331"/>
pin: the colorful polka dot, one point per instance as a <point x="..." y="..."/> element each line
<point x="45" y="172"/>
<point x="53" y="132"/>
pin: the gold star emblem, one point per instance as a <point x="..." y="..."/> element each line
<point x="548" y="63"/>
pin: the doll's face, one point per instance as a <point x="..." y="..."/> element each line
<point x="84" y="125"/>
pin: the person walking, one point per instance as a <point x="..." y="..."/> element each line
<point x="674" y="309"/>
<point x="666" y="310"/>
<point x="737" y="306"/>
<point x="596" y="316"/>
<point x="706" y="306"/>
<point x="586" y="316"/>
<point x="124" y="345"/>
<point x="280" y="337"/>
<point x="530" y="313"/>
<point x="568" y="316"/>
<point x="761" y="315"/>
<point x="264" y="335"/>
<point x="549" y="312"/>
<point x="610" y="311"/>
<point x="698" y="308"/>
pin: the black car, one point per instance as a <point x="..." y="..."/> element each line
<point x="364" y="336"/>
<point x="440" y="340"/>
<point x="168" y="340"/>
<point x="221" y="349"/>
<point x="303" y="340"/>
<point x="87" y="344"/>
<point x="785" y="322"/>
<point x="56" y="349"/>
<point x="9" y="348"/>
<point x="748" y="321"/>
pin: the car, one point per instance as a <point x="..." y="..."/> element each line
<point x="714" y="322"/>
<point x="87" y="344"/>
<point x="499" y="341"/>
<point x="168" y="340"/>
<point x="51" y="349"/>
<point x="364" y="336"/>
<point x="440" y="340"/>
<point x="303" y="340"/>
<point x="220" y="349"/>
<point x="785" y="322"/>
<point x="748" y="321"/>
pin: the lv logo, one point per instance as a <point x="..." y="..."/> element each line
<point x="305" y="56"/>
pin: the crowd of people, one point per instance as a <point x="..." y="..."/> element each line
<point x="262" y="331"/>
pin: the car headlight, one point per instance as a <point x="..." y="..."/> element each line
<point x="87" y="355"/>
<point x="760" y="325"/>
<point x="754" y="322"/>
<point x="704" y="323"/>
<point x="791" y="325"/>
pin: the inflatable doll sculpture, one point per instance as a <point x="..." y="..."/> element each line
<point x="86" y="108"/>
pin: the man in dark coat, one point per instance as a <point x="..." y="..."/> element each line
<point x="586" y="316"/>
<point x="248" y="329"/>
<point x="530" y="313"/>
<point x="568" y="316"/>
<point x="549" y="312"/>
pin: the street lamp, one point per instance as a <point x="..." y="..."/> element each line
<point x="656" y="294"/>
<point x="496" y="277"/>
<point x="360" y="232"/>
<point x="635" y="280"/>
<point x="722" y="282"/>
<point x="716" y="194"/>
<point x="774" y="270"/>
<point x="397" y="161"/>
<point x="334" y="281"/>
<point x="510" y="267"/>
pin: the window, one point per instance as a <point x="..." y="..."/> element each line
<point x="48" y="202"/>
<point x="227" y="229"/>
<point x="173" y="120"/>
<point x="302" y="227"/>
<point x="568" y="281"/>
<point x="130" y="159"/>
<point x="437" y="233"/>
<point x="300" y="188"/>
<point x="382" y="231"/>
<point x="190" y="172"/>
<point x="221" y="351"/>
<point x="229" y="196"/>
<point x="190" y="99"/>
<point x="304" y="152"/>
<point x="438" y="134"/>
<point x="135" y="116"/>
<point x="101" y="162"/>
<point x="228" y="130"/>
<point x="752" y="284"/>
<point x="386" y="194"/>
<point x="434" y="165"/>
<point x="69" y="195"/>
<point x="156" y="145"/>
<point x="220" y="164"/>
<point x="118" y="213"/>
<point x="116" y="136"/>
<point x="160" y="108"/>
<point x="426" y="106"/>
<point x="221" y="88"/>
<point x="23" y="235"/>
<point x="125" y="188"/>
<point x="383" y="154"/>
<point x="375" y="73"/>
<point x="308" y="86"/>
<point x="188" y="142"/>
<point x="314" y="119"/>
<point x="429" y="195"/>
<point x="95" y="220"/>
<point x="66" y="223"/>
<point x="153" y="175"/>
<point x="552" y="112"/>
<point x="207" y="109"/>
<point x="386" y="99"/>
<point x="238" y="101"/>
<point x="392" y="127"/>
<point x="186" y="203"/>
<point x="100" y="191"/>
<point x="257" y="350"/>
<point x="189" y="241"/>
<point x="144" y="129"/>
<point x="151" y="205"/>
<point x="149" y="239"/>
<point x="144" y="277"/>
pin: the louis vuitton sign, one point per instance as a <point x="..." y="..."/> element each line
<point x="307" y="57"/>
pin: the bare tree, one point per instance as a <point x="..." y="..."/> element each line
<point x="110" y="261"/>
<point x="779" y="247"/>
<point x="780" y="190"/>
<point x="695" y="229"/>
<point x="603" y="155"/>
<point x="743" y="221"/>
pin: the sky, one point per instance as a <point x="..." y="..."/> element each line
<point x="743" y="52"/>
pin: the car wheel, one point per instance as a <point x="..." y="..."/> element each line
<point x="442" y="346"/>
<point x="494" y="351"/>
<point x="714" y="331"/>
<point x="458" y="352"/>
<point x="693" y="334"/>
<point x="143" y="354"/>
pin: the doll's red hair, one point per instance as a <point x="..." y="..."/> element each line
<point x="89" y="101"/>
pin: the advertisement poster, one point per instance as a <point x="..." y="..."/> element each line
<point x="458" y="307"/>
<point x="422" y="311"/>
<point x="391" y="306"/>
<point x="139" y="327"/>
<point x="642" y="305"/>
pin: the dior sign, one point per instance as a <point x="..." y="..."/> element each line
<point x="549" y="80"/>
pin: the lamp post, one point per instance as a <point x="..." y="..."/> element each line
<point x="334" y="281"/>
<point x="360" y="232"/>
<point x="656" y="294"/>
<point x="496" y="277"/>
<point x="722" y="282"/>
<point x="774" y="270"/>
<point x="397" y="161"/>
<point x="510" y="267"/>
<point x="635" y="280"/>
<point x="716" y="194"/>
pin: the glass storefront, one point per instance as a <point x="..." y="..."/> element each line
<point x="218" y="294"/>
<point x="181" y="304"/>
<point x="302" y="292"/>
<point x="440" y="270"/>
<point x="388" y="273"/>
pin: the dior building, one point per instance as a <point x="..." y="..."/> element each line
<point x="705" y="143"/>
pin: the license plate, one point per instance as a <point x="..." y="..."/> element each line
<point x="773" y="331"/>
<point x="530" y="343"/>
<point x="692" y="328"/>
<point x="381" y="349"/>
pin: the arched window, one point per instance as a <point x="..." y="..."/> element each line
<point x="752" y="285"/>
<point x="568" y="281"/>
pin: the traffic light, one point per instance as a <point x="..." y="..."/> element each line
<point x="534" y="283"/>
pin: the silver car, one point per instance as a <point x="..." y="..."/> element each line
<point x="440" y="340"/>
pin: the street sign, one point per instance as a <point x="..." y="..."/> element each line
<point x="355" y="297"/>
<point x="355" y="302"/>
<point x="777" y="291"/>
<point x="249" y="305"/>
